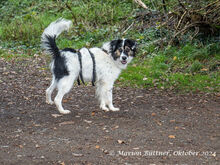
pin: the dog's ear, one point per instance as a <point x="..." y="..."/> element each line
<point x="134" y="47"/>
<point x="115" y="44"/>
<point x="132" y="44"/>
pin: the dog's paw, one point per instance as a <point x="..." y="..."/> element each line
<point x="114" y="109"/>
<point x="104" y="108"/>
<point x="49" y="102"/>
<point x="65" y="111"/>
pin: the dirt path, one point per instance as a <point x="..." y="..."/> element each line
<point x="151" y="127"/>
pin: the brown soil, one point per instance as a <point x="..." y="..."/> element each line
<point x="151" y="128"/>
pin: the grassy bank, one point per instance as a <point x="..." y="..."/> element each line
<point x="188" y="66"/>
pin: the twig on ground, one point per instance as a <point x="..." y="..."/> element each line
<point x="181" y="19"/>
<point x="128" y="28"/>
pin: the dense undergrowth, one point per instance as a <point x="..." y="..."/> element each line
<point x="191" y="65"/>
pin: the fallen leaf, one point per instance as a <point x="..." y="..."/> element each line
<point x="26" y="98"/>
<point x="121" y="141"/>
<point x="174" y="58"/>
<point x="204" y="69"/>
<point x="172" y="121"/>
<point x="56" y="115"/>
<point x="105" y="151"/>
<point x="153" y="114"/>
<point x="116" y="127"/>
<point x="37" y="146"/>
<point x="66" y="123"/>
<point x="87" y="121"/>
<point x="172" y="137"/>
<point x="77" y="155"/>
<point x="134" y="65"/>
<point x="158" y="122"/>
<point x="93" y="113"/>
<point x="97" y="146"/>
<point x="65" y="101"/>
<point x="214" y="154"/>
<point x="62" y="163"/>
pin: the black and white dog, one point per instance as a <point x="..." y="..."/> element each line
<point x="102" y="66"/>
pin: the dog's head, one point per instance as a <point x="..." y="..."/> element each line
<point x="122" y="51"/>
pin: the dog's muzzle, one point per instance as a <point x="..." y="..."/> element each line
<point x="124" y="60"/>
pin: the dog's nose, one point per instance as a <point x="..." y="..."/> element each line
<point x="124" y="58"/>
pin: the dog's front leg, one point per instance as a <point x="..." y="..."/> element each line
<point x="103" y="106"/>
<point x="104" y="92"/>
<point x="109" y="101"/>
<point x="101" y="94"/>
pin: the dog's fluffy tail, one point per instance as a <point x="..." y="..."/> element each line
<point x="51" y="33"/>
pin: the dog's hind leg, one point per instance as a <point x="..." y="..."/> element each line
<point x="64" y="85"/>
<point x="50" y="90"/>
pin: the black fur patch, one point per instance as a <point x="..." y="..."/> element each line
<point x="117" y="47"/>
<point x="60" y="68"/>
<point x="132" y="45"/>
<point x="52" y="46"/>
<point x="114" y="46"/>
<point x="70" y="50"/>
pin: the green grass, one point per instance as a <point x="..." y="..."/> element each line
<point x="29" y="18"/>
<point x="182" y="73"/>
<point x="191" y="66"/>
<point x="14" y="55"/>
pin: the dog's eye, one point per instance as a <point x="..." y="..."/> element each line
<point x="127" y="50"/>
<point x="120" y="49"/>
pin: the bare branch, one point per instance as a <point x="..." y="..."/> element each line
<point x="74" y="17"/>
<point x="128" y="28"/>
<point x="164" y="6"/>
<point x="181" y="4"/>
<point x="139" y="2"/>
